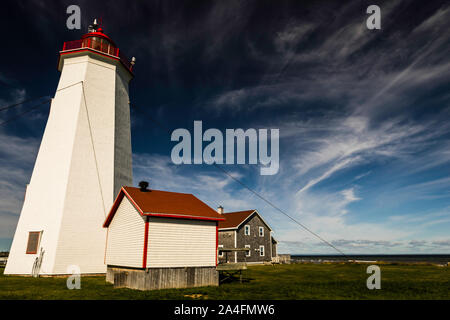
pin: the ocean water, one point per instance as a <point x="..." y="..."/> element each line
<point x="430" y="258"/>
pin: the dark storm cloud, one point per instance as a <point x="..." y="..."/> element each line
<point x="252" y="54"/>
<point x="356" y="71"/>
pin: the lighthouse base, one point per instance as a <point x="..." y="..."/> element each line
<point x="162" y="278"/>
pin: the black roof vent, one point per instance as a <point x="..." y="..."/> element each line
<point x="143" y="185"/>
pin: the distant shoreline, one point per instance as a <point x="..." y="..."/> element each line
<point x="431" y="258"/>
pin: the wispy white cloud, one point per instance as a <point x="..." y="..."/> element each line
<point x="336" y="167"/>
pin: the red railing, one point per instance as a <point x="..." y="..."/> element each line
<point x="102" y="46"/>
<point x="126" y="62"/>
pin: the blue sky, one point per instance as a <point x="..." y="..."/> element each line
<point x="363" y="114"/>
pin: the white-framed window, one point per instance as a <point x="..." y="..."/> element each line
<point x="247" y="230"/>
<point x="220" y="252"/>
<point x="261" y="251"/>
<point x="261" y="231"/>
<point x="248" y="253"/>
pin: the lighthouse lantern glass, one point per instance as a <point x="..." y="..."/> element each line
<point x="100" y="44"/>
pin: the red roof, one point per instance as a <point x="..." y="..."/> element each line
<point x="234" y="219"/>
<point x="165" y="204"/>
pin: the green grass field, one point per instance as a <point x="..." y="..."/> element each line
<point x="295" y="281"/>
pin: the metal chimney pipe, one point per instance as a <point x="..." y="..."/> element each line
<point x="143" y="185"/>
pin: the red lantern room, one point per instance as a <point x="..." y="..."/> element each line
<point x="97" y="42"/>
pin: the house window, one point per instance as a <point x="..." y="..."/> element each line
<point x="248" y="253"/>
<point x="220" y="252"/>
<point x="261" y="251"/>
<point x="247" y="230"/>
<point x="33" y="242"/>
<point x="261" y="231"/>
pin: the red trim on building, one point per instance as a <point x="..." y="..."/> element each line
<point x="180" y="216"/>
<point x="93" y="51"/>
<point x="133" y="202"/>
<point x="113" y="208"/>
<point x="144" y="258"/>
<point x="123" y="193"/>
<point x="116" y="204"/>
<point x="96" y="52"/>
<point x="217" y="240"/>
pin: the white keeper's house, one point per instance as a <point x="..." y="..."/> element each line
<point x="159" y="239"/>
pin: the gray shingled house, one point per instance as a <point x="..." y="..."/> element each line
<point x="245" y="229"/>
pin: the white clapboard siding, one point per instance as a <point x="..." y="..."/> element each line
<point x="64" y="200"/>
<point x="125" y="246"/>
<point x="181" y="243"/>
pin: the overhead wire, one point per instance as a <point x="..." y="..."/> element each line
<point x="165" y="127"/>
<point x="253" y="191"/>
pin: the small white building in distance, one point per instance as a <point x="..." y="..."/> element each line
<point x="159" y="239"/>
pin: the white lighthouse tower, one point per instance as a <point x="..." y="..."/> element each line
<point x="83" y="160"/>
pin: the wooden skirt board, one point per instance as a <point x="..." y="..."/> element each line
<point x="162" y="278"/>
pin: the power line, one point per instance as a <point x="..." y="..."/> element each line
<point x="23" y="113"/>
<point x="278" y="209"/>
<point x="33" y="108"/>
<point x="254" y="192"/>
<point x="88" y="119"/>
<point x="4" y="83"/>
<point x="163" y="126"/>
<point x="19" y="103"/>
<point x="32" y="99"/>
